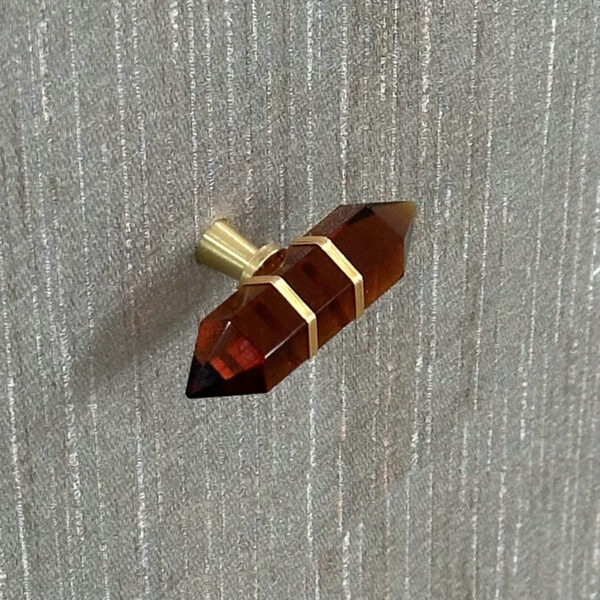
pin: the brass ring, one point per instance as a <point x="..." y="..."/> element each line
<point x="342" y="262"/>
<point x="284" y="288"/>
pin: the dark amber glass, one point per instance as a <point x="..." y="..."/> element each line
<point x="255" y="338"/>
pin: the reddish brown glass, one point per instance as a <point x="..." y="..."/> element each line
<point x="255" y="338"/>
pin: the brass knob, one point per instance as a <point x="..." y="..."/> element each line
<point x="225" y="249"/>
<point x="297" y="303"/>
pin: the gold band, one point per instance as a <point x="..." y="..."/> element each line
<point x="342" y="262"/>
<point x="284" y="288"/>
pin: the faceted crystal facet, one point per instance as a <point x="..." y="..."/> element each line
<point x="255" y="338"/>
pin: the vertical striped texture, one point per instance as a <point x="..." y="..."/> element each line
<point x="447" y="445"/>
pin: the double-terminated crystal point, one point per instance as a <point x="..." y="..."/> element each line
<point x="256" y="337"/>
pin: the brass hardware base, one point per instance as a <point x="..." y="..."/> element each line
<point x="225" y="249"/>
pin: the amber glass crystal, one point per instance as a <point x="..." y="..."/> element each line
<point x="255" y="338"/>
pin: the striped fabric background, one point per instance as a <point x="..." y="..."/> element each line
<point x="446" y="445"/>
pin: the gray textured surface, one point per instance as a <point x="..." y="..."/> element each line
<point x="444" y="446"/>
